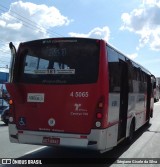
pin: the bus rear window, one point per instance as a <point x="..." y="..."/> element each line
<point x="67" y="61"/>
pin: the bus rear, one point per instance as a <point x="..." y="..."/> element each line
<point x="57" y="94"/>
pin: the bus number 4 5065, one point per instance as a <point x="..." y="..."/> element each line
<point x="79" y="94"/>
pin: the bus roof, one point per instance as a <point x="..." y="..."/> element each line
<point x="137" y="64"/>
<point x="60" y="38"/>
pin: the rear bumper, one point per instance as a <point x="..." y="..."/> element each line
<point x="96" y="140"/>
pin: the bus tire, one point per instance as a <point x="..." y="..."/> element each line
<point x="148" y="121"/>
<point x="6" y="122"/>
<point x="131" y="133"/>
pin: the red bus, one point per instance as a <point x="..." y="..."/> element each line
<point x="76" y="92"/>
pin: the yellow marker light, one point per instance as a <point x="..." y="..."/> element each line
<point x="10" y="102"/>
<point x="100" y="105"/>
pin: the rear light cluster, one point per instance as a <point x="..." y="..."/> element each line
<point x="10" y="102"/>
<point x="99" y="112"/>
<point x="11" y="120"/>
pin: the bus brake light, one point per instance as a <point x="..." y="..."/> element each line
<point x="99" y="115"/>
<point x="100" y="104"/>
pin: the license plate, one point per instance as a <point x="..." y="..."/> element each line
<point x="51" y="140"/>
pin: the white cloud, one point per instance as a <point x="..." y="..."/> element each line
<point x="144" y="21"/>
<point x="150" y="2"/>
<point x="14" y="26"/>
<point x="99" y="33"/>
<point x="2" y="23"/>
<point x="26" y="21"/>
<point x="132" y="56"/>
<point x="41" y="14"/>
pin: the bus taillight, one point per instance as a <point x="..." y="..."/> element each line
<point x="10" y="102"/>
<point x="99" y="115"/>
<point x="99" y="112"/>
<point x="11" y="119"/>
<point x="100" y="104"/>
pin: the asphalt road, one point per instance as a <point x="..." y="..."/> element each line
<point x="146" y="146"/>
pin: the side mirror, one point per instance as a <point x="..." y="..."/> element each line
<point x="13" y="56"/>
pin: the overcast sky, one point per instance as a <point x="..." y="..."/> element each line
<point x="133" y="27"/>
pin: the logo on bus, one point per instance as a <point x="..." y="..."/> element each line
<point x="22" y="121"/>
<point x="77" y="106"/>
<point x="51" y="122"/>
<point x="79" y="111"/>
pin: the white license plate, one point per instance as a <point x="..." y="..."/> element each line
<point x="51" y="140"/>
<point x="35" y="97"/>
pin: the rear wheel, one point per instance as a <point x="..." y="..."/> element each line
<point x="6" y="122"/>
<point x="148" y="122"/>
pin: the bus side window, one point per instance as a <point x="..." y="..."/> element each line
<point x="114" y="70"/>
<point x="130" y="76"/>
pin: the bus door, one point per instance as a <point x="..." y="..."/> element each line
<point x="123" y="99"/>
